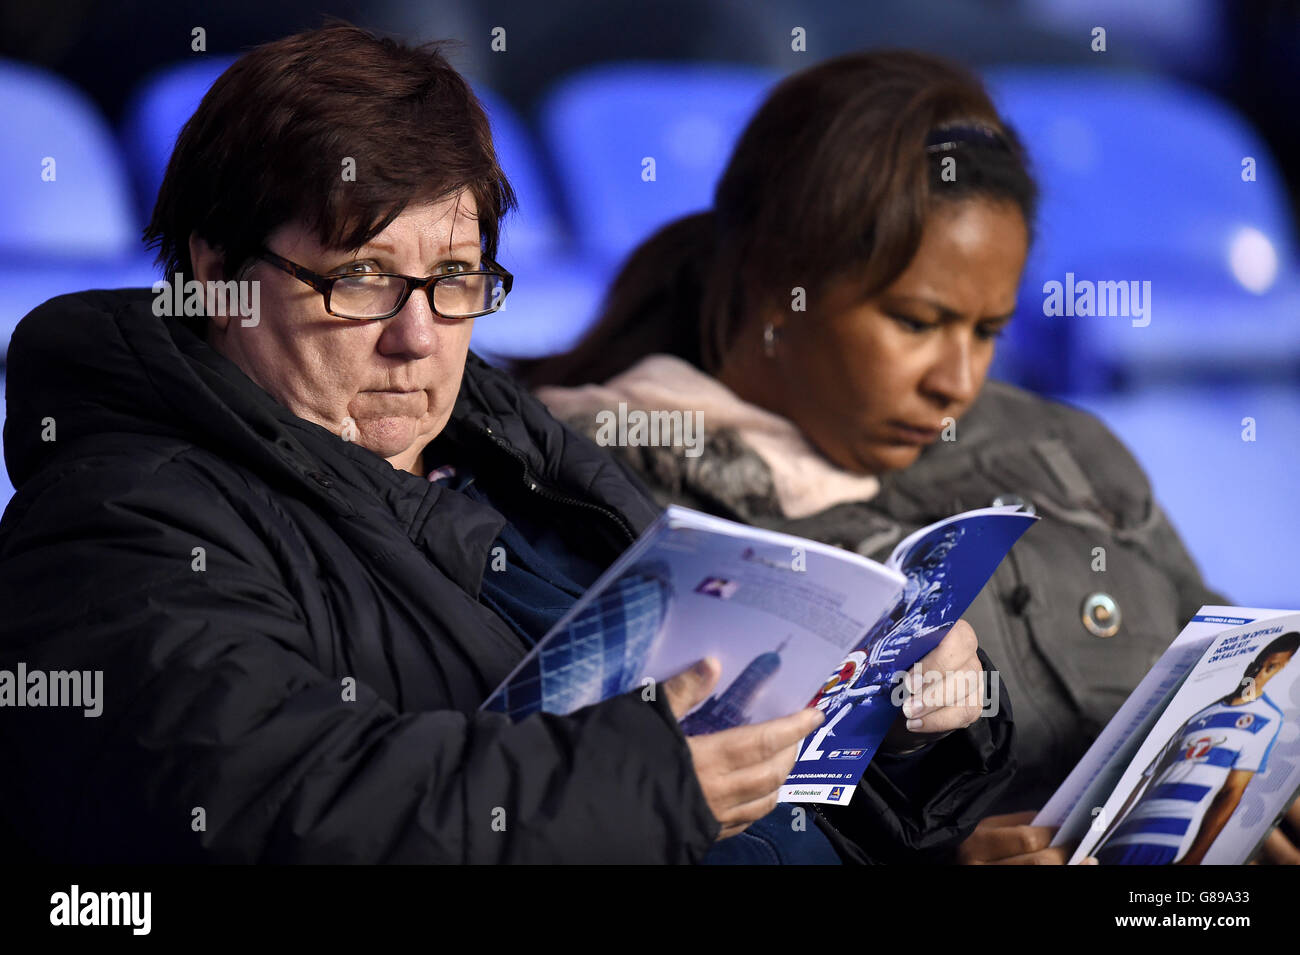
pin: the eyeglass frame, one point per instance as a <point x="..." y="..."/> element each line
<point x="324" y="284"/>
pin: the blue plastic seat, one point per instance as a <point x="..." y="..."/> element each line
<point x="549" y="308"/>
<point x="85" y="210"/>
<point x="535" y="230"/>
<point x="601" y="124"/>
<point x="1141" y="179"/>
<point x="76" y="231"/>
<point x="1233" y="501"/>
<point x="1174" y="33"/>
<point x="160" y="106"/>
<point x="42" y="281"/>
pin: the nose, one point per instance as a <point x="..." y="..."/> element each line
<point x="413" y="332"/>
<point x="954" y="378"/>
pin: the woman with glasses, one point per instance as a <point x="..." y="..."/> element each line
<point x="242" y="527"/>
<point x="296" y="550"/>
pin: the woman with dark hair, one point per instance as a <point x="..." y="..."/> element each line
<point x="833" y="317"/>
<point x="256" y="510"/>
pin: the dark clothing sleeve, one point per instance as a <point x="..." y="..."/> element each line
<point x="229" y="731"/>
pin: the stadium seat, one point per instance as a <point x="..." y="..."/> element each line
<point x="535" y="230"/>
<point x="77" y="230"/>
<point x="160" y="106"/>
<point x="43" y="281"/>
<point x="548" y="309"/>
<point x="1175" y="33"/>
<point x="1232" y="500"/>
<point x="65" y="192"/>
<point x="1141" y="180"/>
<point x="601" y="125"/>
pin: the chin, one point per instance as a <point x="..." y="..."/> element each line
<point x="387" y="439"/>
<point x="890" y="457"/>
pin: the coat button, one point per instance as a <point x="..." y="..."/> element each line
<point x="320" y="479"/>
<point x="1013" y="500"/>
<point x="1100" y="615"/>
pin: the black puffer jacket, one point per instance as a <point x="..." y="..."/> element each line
<point x="224" y="668"/>
<point x="233" y="570"/>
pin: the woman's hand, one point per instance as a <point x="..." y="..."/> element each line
<point x="741" y="769"/>
<point x="945" y="693"/>
<point x="1011" y="840"/>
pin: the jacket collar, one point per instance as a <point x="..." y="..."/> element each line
<point x="101" y="361"/>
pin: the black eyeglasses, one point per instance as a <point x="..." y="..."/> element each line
<point x="366" y="296"/>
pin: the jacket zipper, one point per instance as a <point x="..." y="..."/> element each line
<point x="538" y="488"/>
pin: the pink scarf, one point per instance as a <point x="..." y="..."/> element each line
<point x="805" y="481"/>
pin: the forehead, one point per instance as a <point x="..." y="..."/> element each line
<point x="972" y="249"/>
<point x="428" y="228"/>
<point x="451" y="221"/>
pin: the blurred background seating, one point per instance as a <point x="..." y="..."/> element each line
<point x="66" y="218"/>
<point x="1138" y="150"/>
<point x="154" y="115"/>
<point x="604" y="125"/>
<point x="1141" y="178"/>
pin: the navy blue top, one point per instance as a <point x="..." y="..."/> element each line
<point x="537" y="583"/>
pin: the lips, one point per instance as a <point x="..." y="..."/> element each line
<point x="914" y="434"/>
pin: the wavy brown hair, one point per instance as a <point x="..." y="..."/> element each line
<point x="831" y="182"/>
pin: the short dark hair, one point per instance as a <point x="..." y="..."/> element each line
<point x="1287" y="643"/>
<point x="267" y="146"/>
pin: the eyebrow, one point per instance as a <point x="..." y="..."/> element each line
<point x="946" y="314"/>
<point x="460" y="248"/>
